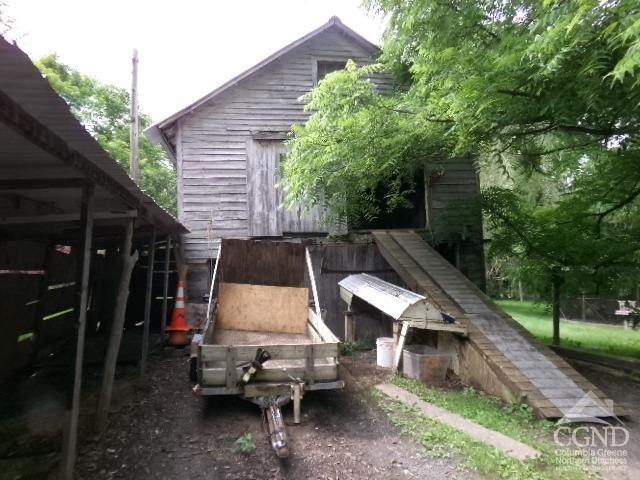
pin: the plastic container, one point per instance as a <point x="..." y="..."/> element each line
<point x="384" y="352"/>
<point x="425" y="363"/>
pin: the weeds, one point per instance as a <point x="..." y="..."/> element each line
<point x="361" y="345"/>
<point x="246" y="444"/>
<point x="516" y="421"/>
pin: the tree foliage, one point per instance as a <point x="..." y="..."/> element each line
<point x="104" y="110"/>
<point x="543" y="89"/>
<point x="355" y="141"/>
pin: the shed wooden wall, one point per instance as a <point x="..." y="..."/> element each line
<point x="211" y="142"/>
<point x="333" y="262"/>
<point x="40" y="305"/>
<point x="456" y="217"/>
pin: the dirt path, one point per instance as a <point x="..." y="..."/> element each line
<point x="163" y="432"/>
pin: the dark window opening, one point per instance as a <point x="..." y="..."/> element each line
<point x="407" y="217"/>
<point x="325" y="67"/>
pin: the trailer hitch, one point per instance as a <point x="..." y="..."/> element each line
<point x="274" y="426"/>
<point x="254" y="365"/>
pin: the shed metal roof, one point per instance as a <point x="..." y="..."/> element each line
<point x="41" y="141"/>
<point x="398" y="303"/>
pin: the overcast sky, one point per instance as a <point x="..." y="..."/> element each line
<point x="186" y="47"/>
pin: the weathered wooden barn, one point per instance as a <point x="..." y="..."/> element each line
<point x="227" y="146"/>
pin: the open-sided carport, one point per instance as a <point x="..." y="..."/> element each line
<point x="63" y="202"/>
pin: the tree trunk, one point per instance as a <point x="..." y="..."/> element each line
<point x="556" y="282"/>
<point x="520" y="293"/>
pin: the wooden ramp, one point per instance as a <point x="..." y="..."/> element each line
<point x="514" y="364"/>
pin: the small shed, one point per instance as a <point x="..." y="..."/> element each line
<point x="401" y="305"/>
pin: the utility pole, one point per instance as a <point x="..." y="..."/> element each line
<point x="134" y="161"/>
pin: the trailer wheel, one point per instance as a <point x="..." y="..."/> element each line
<point x="193" y="369"/>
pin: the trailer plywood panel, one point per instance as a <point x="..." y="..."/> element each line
<point x="262" y="308"/>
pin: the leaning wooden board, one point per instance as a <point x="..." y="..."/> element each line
<point x="262" y="308"/>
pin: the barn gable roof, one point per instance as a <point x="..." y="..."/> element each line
<point x="155" y="131"/>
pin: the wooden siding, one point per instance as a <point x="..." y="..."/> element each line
<point x="268" y="216"/>
<point x="455" y="215"/>
<point x="212" y="143"/>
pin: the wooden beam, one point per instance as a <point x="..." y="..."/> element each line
<point x="165" y="288"/>
<point x="312" y="279"/>
<point x="349" y="327"/>
<point x="399" y="346"/>
<point x="128" y="261"/>
<point x="65" y="217"/>
<point x="42" y="183"/>
<point x="151" y="256"/>
<point x="70" y="436"/>
<point x="17" y="118"/>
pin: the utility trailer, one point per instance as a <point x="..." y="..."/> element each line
<point x="264" y="339"/>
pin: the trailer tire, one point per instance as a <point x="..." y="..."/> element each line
<point x="193" y="369"/>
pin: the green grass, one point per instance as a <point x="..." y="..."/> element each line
<point x="604" y="339"/>
<point x="516" y="421"/>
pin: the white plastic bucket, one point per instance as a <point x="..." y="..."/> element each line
<point x="384" y="352"/>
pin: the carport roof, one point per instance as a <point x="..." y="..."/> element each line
<point x="46" y="155"/>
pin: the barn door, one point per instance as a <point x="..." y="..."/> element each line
<point x="267" y="214"/>
<point x="263" y="161"/>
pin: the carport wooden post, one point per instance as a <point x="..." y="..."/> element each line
<point x="128" y="261"/>
<point x="73" y="408"/>
<point x="165" y="287"/>
<point x="151" y="257"/>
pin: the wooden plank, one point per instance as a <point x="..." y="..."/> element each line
<point x="309" y="374"/>
<point x="200" y="390"/>
<point x="262" y="308"/>
<point x="151" y="258"/>
<point x="253" y="390"/>
<point x="65" y="217"/>
<point x="70" y="435"/>
<point x="218" y="376"/>
<point x="313" y="334"/>
<point x="230" y="371"/>
<point x="42" y="183"/>
<point x="400" y="346"/>
<point x="318" y="324"/>
<point x="482" y="434"/>
<point x="312" y="280"/>
<point x="165" y="287"/>
<point x="210" y="316"/>
<point x="245" y="353"/>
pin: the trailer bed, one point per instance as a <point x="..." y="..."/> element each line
<point x="262" y="303"/>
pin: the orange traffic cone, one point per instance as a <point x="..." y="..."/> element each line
<point x="178" y="328"/>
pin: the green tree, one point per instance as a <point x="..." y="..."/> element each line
<point x="548" y="89"/>
<point x="104" y="110"/>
